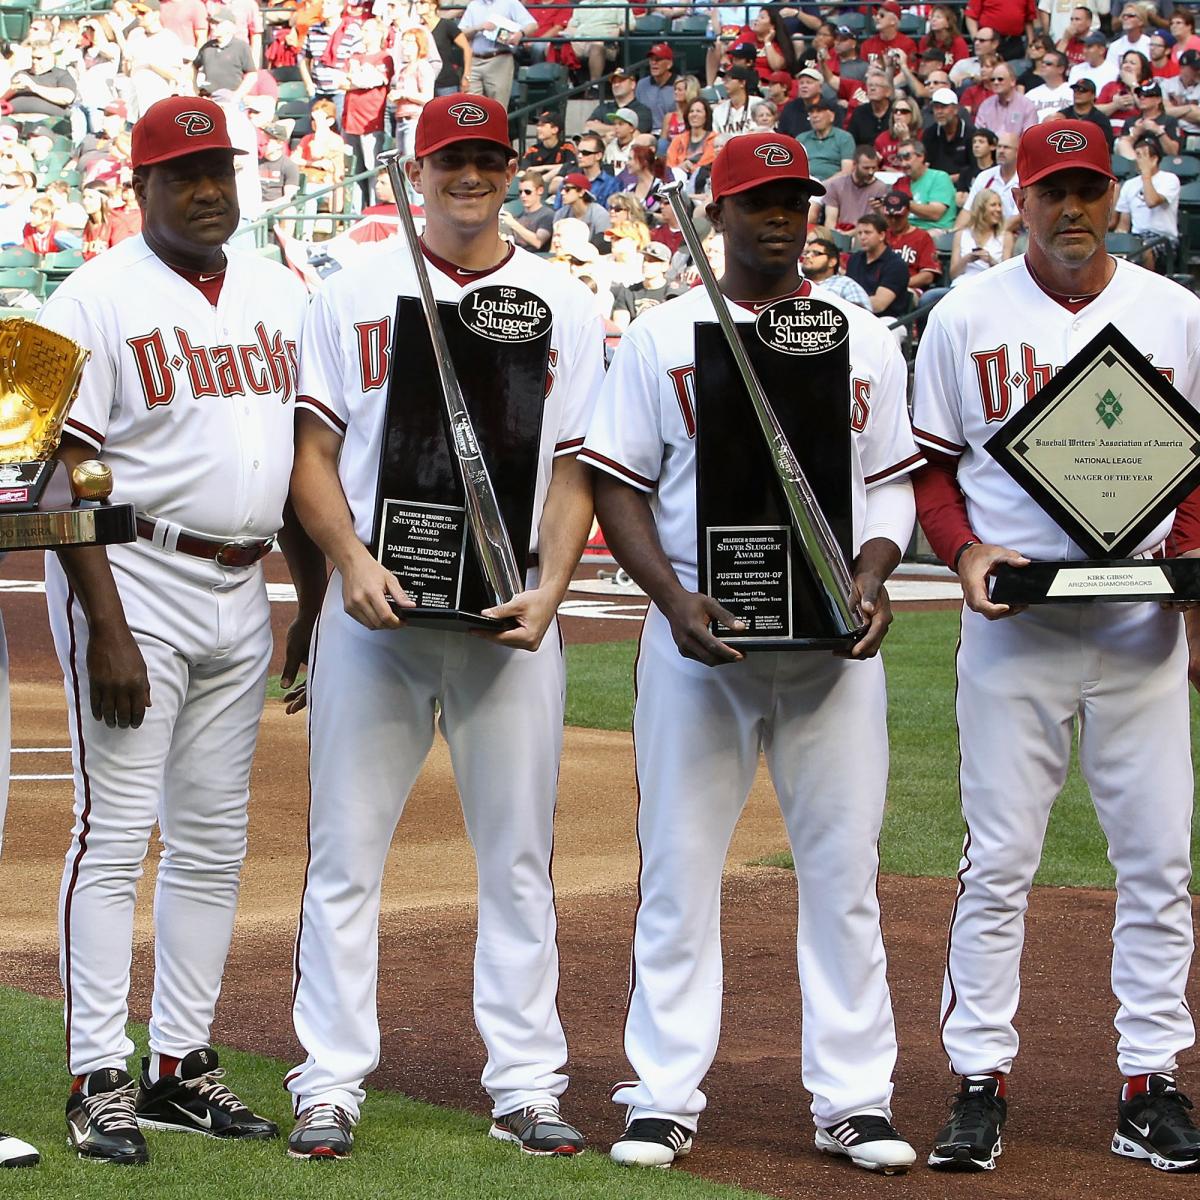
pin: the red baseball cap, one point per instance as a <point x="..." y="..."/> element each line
<point x="661" y="50"/>
<point x="752" y="159"/>
<point x="780" y="77"/>
<point x="178" y="126"/>
<point x="459" y="118"/>
<point x="1061" y="146"/>
<point x="577" y="179"/>
<point x="889" y="6"/>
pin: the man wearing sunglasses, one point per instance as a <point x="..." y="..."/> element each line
<point x="1006" y="110"/>
<point x="533" y="226"/>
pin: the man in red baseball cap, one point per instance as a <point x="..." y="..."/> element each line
<point x="812" y="712"/>
<point x="657" y="89"/>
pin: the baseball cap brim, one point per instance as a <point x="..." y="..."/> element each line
<point x="815" y="186"/>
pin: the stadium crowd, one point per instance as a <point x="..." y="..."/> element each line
<point x="910" y="116"/>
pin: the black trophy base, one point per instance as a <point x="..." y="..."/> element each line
<point x="1098" y="581"/>
<point x="450" y="620"/>
<point x="755" y="645"/>
<point x="58" y="529"/>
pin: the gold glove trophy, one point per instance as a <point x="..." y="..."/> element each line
<point x="40" y="507"/>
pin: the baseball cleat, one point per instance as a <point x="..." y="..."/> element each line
<point x="1155" y="1125"/>
<point x="970" y="1140"/>
<point x="322" y="1133"/>
<point x="196" y="1101"/>
<point x="16" y="1153"/>
<point x="652" y="1142"/>
<point x="868" y="1141"/>
<point x="538" y="1129"/>
<point x="101" y="1123"/>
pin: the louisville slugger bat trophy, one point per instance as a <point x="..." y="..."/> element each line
<point x="737" y="557"/>
<point x="443" y="519"/>
<point x="42" y="505"/>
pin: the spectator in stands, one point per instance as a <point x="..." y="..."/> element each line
<point x="124" y="215"/>
<point x="878" y="269"/>
<point x="188" y="20"/>
<point x="767" y="36"/>
<point x="624" y="87"/>
<point x="821" y="54"/>
<point x="983" y="240"/>
<point x="1118" y="100"/>
<point x="851" y="66"/>
<point x="590" y="153"/>
<point x="1133" y="35"/>
<point x="1182" y="100"/>
<point x="99" y="59"/>
<point x="155" y="59"/>
<point x="1054" y="92"/>
<point x="1183" y="30"/>
<point x="1006" y="110"/>
<point x="1010" y="20"/>
<point x="592" y="29"/>
<point x="657" y="89"/>
<point x="848" y="197"/>
<point x="780" y="86"/>
<point x="1068" y="36"/>
<point x="820" y="263"/>
<point x="368" y="78"/>
<point x="869" y="120"/>
<point x="830" y="150"/>
<point x="1148" y="205"/>
<point x="532" y="227"/>
<point x="224" y="62"/>
<point x="97" y="230"/>
<point x="453" y="50"/>
<point x="888" y="46"/>
<point x="1161" y="62"/>
<point x="1001" y="179"/>
<point x="1151" y="121"/>
<point x="648" y="292"/>
<point x="948" y="139"/>
<point x="914" y="245"/>
<point x="579" y="202"/>
<point x="278" y="173"/>
<point x="624" y="261"/>
<point x="326" y="48"/>
<point x="943" y="35"/>
<point x="549" y="156"/>
<point x="905" y="127"/>
<point x="629" y="218"/>
<point x="696" y="146"/>
<point x="321" y="155"/>
<point x="1095" y="65"/>
<point x="933" y="200"/>
<point x="645" y="176"/>
<point x="733" y="115"/>
<point x="68" y="211"/>
<point x="687" y="89"/>
<point x="42" y="234"/>
<point x="1084" y="108"/>
<point x="983" y="158"/>
<point x="495" y="29"/>
<point x="765" y="116"/>
<point x="619" y="149"/>
<point x="45" y="90"/>
<point x="793" y="119"/>
<point x="248" y="25"/>
<point x="1029" y="78"/>
<point x="412" y="85"/>
<point x="986" y="45"/>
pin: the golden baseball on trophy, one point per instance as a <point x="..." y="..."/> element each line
<point x="91" y="480"/>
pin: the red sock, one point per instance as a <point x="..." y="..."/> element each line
<point x="1135" y="1085"/>
<point x="162" y="1065"/>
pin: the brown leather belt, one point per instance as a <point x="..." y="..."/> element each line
<point x="232" y="552"/>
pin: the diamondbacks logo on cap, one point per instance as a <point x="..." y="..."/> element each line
<point x="1066" y="141"/>
<point x="774" y="155"/>
<point x="195" y="124"/>
<point x="468" y="114"/>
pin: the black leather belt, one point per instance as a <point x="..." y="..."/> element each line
<point x="225" y="552"/>
<point x="490" y="54"/>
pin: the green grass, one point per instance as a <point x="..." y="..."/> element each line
<point x="404" y="1149"/>
<point x="923" y="828"/>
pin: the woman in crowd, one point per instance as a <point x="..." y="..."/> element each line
<point x="695" y="147"/>
<point x="368" y="73"/>
<point x="764" y="116"/>
<point x="412" y="85"/>
<point x="905" y="126"/>
<point x="1117" y="100"/>
<point x="769" y="36"/>
<point x="450" y="46"/>
<point x="97" y="230"/>
<point x="944" y="35"/>
<point x="321" y="155"/>
<point x="645" y="176"/>
<point x="821" y="52"/>
<point x="687" y="91"/>
<point x="628" y="218"/>
<point x="983" y="242"/>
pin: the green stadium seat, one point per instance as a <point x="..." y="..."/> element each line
<point x="293" y="90"/>
<point x="23" y="279"/>
<point x="1123" y="245"/>
<point x="1123" y="168"/>
<point x="912" y="26"/>
<point x="1183" y="165"/>
<point x="853" y="20"/>
<point x="63" y="262"/>
<point x="1189" y="223"/>
<point x="17" y="256"/>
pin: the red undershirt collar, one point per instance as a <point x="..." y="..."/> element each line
<point x="208" y="284"/>
<point x="754" y="306"/>
<point x="459" y="274"/>
<point x="1071" y="303"/>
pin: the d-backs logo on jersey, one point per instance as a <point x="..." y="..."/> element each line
<point x="263" y="367"/>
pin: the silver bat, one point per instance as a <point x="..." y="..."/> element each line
<point x="488" y="531"/>
<point x="821" y="549"/>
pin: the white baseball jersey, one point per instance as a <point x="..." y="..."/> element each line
<point x="961" y="399"/>
<point x="174" y="384"/>
<point x="644" y="431"/>
<point x="343" y="380"/>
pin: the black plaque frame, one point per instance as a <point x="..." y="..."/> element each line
<point x="736" y="486"/>
<point x="504" y="384"/>
<point x="1115" y="578"/>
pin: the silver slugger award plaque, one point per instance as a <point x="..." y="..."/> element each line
<point x="1107" y="449"/>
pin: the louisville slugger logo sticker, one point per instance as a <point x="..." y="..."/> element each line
<point x="195" y="124"/>
<point x="802" y="325"/>
<point x="467" y="114"/>
<point x="464" y="436"/>
<point x="774" y="154"/>
<point x="1066" y="141"/>
<point x="505" y="314"/>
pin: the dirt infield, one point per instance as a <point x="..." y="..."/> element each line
<point x="757" y="1132"/>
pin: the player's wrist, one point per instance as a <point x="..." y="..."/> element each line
<point x="962" y="550"/>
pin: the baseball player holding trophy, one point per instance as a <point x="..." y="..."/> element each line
<point x="439" y="475"/>
<point x="164" y="643"/>
<point x="1068" y="378"/>
<point x="725" y="639"/>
